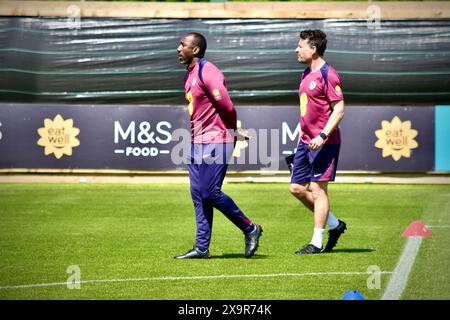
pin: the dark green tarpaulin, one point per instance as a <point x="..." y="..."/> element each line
<point x="134" y="61"/>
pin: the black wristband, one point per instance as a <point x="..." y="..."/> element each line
<point x="323" y="135"/>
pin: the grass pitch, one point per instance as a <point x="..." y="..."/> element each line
<point x="123" y="237"/>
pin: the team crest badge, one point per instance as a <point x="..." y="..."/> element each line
<point x="312" y="85"/>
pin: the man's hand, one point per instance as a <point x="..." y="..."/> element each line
<point x="315" y="143"/>
<point x="242" y="134"/>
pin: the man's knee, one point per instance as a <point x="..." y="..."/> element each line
<point x="298" y="190"/>
<point x="211" y="196"/>
<point x="318" y="190"/>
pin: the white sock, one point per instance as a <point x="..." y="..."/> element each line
<point x="332" y="222"/>
<point x="317" y="238"/>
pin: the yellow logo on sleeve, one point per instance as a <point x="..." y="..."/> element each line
<point x="216" y="94"/>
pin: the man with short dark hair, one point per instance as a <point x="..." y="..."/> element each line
<point x="213" y="125"/>
<point x="316" y="158"/>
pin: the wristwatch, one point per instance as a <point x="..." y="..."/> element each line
<point x="323" y="135"/>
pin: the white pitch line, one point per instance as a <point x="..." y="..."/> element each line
<point x="52" y="284"/>
<point x="437" y="227"/>
<point x="399" y="278"/>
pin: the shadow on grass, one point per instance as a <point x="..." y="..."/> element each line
<point x="238" y="256"/>
<point x="351" y="250"/>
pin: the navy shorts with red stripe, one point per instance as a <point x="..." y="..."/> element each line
<point x="315" y="166"/>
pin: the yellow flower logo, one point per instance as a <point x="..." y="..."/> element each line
<point x="58" y="136"/>
<point x="396" y="138"/>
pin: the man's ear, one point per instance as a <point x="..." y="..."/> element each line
<point x="196" y="50"/>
